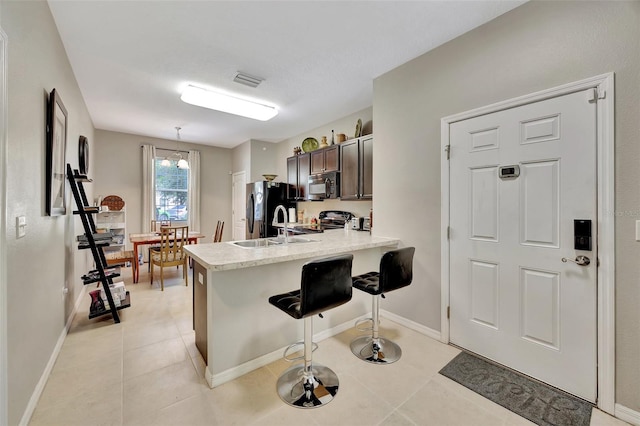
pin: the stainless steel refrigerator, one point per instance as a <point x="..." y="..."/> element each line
<point x="262" y="200"/>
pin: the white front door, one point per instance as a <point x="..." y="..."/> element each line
<point x="239" y="195"/>
<point x="512" y="298"/>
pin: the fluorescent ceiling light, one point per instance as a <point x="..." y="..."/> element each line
<point x="227" y="103"/>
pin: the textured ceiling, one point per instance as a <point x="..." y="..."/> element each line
<point x="318" y="58"/>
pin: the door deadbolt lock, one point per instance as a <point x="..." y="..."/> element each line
<point x="580" y="260"/>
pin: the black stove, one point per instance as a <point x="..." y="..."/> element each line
<point x="329" y="219"/>
<point x="334" y="219"/>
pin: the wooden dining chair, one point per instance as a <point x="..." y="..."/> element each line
<point x="156" y="226"/>
<point x="171" y="253"/>
<point x="217" y="237"/>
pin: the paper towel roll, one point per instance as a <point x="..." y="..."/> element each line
<point x="292" y="214"/>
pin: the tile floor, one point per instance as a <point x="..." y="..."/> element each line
<point x="147" y="371"/>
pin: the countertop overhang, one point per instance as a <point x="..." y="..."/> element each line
<point x="226" y="256"/>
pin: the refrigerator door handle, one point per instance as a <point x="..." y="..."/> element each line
<point x="251" y="213"/>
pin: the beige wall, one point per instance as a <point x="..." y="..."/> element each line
<point x="264" y="160"/>
<point x="255" y="158"/>
<point x="118" y="171"/>
<point x="536" y="46"/>
<point x="40" y="264"/>
<point x="241" y="159"/>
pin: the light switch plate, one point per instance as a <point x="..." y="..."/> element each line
<point x="21" y="226"/>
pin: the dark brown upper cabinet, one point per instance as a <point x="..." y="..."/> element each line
<point x="325" y="160"/>
<point x="356" y="167"/>
<point x="298" y="170"/>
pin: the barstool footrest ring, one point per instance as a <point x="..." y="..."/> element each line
<point x="362" y="321"/>
<point x="295" y="345"/>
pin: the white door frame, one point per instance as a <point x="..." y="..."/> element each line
<point x="605" y="139"/>
<point x="4" y="106"/>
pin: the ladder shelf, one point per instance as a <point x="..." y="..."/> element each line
<point x="103" y="273"/>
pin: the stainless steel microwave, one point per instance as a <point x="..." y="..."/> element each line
<point x="323" y="186"/>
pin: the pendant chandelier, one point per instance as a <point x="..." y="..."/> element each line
<point x="177" y="155"/>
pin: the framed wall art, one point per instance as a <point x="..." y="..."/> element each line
<point x="56" y="149"/>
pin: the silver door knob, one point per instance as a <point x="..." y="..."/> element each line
<point x="580" y="260"/>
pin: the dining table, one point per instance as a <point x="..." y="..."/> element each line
<point x="150" y="238"/>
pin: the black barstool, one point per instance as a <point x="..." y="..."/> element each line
<point x="396" y="271"/>
<point x="325" y="284"/>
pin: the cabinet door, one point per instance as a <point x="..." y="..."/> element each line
<point x="304" y="170"/>
<point x="199" y="281"/>
<point x="332" y="159"/>
<point x="317" y="161"/>
<point x="349" y="170"/>
<point x="366" y="167"/>
<point x="292" y="178"/>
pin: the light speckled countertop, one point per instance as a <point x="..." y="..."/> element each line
<point x="225" y="256"/>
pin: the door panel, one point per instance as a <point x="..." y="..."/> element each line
<point x="292" y="178"/>
<point x="483" y="278"/>
<point x="484" y="203"/>
<point x="332" y="159"/>
<point x="512" y="299"/>
<point x="366" y="185"/>
<point x="317" y="161"/>
<point x="349" y="176"/>
<point x="540" y="307"/>
<point x="539" y="203"/>
<point x="304" y="169"/>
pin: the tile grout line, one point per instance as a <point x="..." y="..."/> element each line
<point x="122" y="377"/>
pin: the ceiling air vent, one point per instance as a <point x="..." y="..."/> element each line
<point x="247" y="80"/>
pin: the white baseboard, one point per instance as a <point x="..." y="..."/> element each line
<point x="429" y="332"/>
<point x="233" y="373"/>
<point x="627" y="414"/>
<point x="37" y="392"/>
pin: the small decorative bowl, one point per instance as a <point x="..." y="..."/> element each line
<point x="269" y="178"/>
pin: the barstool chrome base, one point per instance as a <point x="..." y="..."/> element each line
<point x="375" y="351"/>
<point x="301" y="389"/>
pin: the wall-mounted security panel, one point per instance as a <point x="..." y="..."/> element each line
<point x="509" y="172"/>
<point x="582" y="234"/>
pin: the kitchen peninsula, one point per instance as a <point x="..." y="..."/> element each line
<point x="237" y="330"/>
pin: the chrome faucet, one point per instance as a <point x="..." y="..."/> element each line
<point x="276" y="223"/>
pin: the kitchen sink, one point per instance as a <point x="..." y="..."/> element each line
<point x="270" y="242"/>
<point x="259" y="243"/>
<point x="293" y="240"/>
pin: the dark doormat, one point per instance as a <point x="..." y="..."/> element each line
<point x="535" y="401"/>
